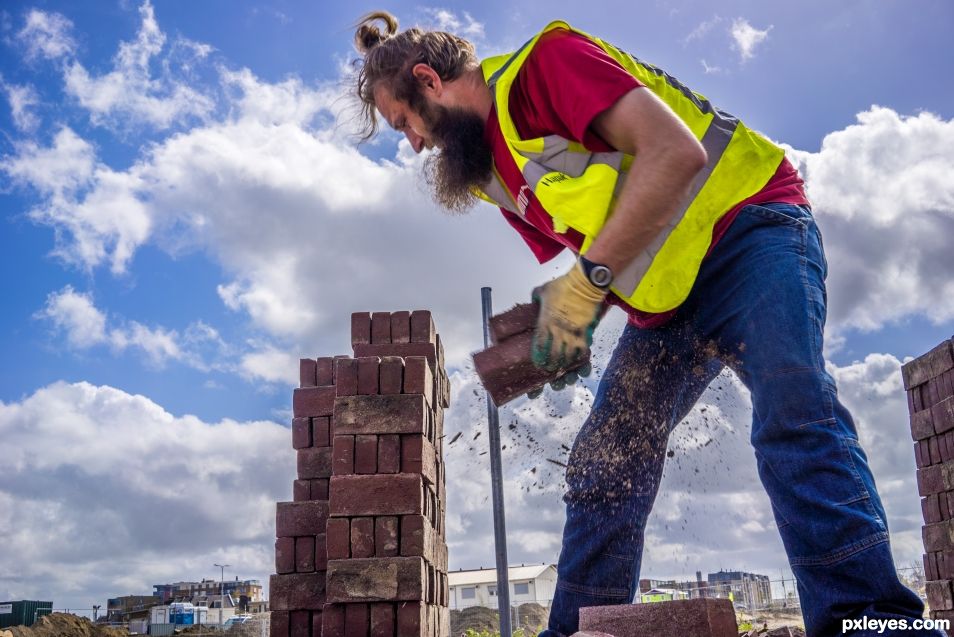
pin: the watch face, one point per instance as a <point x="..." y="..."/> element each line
<point x="601" y="276"/>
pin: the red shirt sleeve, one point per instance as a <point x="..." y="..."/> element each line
<point x="566" y="82"/>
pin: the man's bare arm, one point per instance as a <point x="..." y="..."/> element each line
<point x="666" y="159"/>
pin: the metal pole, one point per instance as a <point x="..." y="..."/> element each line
<point x="496" y="482"/>
<point x="222" y="590"/>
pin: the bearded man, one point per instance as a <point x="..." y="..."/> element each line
<point x="700" y="230"/>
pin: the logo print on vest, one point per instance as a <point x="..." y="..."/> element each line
<point x="523" y="199"/>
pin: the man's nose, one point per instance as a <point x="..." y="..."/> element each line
<point x="417" y="142"/>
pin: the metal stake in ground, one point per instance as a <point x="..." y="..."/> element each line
<point x="496" y="483"/>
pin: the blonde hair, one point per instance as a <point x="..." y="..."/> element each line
<point x="389" y="57"/>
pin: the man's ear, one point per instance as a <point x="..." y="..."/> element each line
<point x="428" y="78"/>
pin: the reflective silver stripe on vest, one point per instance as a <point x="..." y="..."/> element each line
<point x="499" y="193"/>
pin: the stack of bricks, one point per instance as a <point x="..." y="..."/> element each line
<point x="368" y="431"/>
<point x="929" y="382"/>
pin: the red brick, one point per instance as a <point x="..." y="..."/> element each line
<point x="333" y="621"/>
<point x="300" y="518"/>
<point x="357" y="620"/>
<point x="378" y="579"/>
<point x="411" y="619"/>
<point x="918" y="454"/>
<point x="930" y="509"/>
<point x="930" y="365"/>
<point x="382" y="619"/>
<point x="384" y="494"/>
<point x="427" y="350"/>
<point x="939" y="595"/>
<point x="936" y="479"/>
<point x="945" y="447"/>
<point x="325" y="371"/>
<point x="400" y="327"/>
<point x="321" y="552"/>
<point x="938" y="537"/>
<point x="360" y="328"/>
<point x="314" y="462"/>
<point x="368" y="374"/>
<point x="380" y="327"/>
<point x="910" y="395"/>
<point x="299" y="623"/>
<point x="519" y="318"/>
<point x="699" y="617"/>
<point x="285" y="555"/>
<point x="930" y="566"/>
<point x="279" y="623"/>
<point x="933" y="396"/>
<point x="418" y="456"/>
<point x="362" y="537"/>
<point x="933" y="450"/>
<point x="418" y="378"/>
<point x="319" y="489"/>
<point x="386" y="540"/>
<point x="942" y="414"/>
<point x="301" y="490"/>
<point x="346" y="376"/>
<point x="422" y="327"/>
<point x="343" y="456"/>
<point x="305" y="554"/>
<point x="944" y="561"/>
<point x="297" y="591"/>
<point x="389" y="453"/>
<point x="338" y="539"/>
<point x="321" y="431"/>
<point x="313" y="401"/>
<point x="307" y="372"/>
<point x="916" y="395"/>
<point x="419" y="539"/>
<point x="301" y="433"/>
<point x="947" y="379"/>
<point x="391" y="377"/>
<point x="366" y="454"/>
<point x="944" y="505"/>
<point x="380" y="415"/>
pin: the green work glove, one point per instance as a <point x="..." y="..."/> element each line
<point x="564" y="381"/>
<point x="570" y="309"/>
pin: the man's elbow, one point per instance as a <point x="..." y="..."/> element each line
<point x="694" y="156"/>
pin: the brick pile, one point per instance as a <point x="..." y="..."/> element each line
<point x="361" y="551"/>
<point x="929" y="383"/>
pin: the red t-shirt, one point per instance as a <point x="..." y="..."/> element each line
<point x="564" y="84"/>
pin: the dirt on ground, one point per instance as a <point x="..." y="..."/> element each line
<point x="63" y="625"/>
<point x="478" y="618"/>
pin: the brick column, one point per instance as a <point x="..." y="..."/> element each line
<point x="361" y="552"/>
<point x="929" y="382"/>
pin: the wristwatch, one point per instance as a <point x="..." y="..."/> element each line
<point x="599" y="275"/>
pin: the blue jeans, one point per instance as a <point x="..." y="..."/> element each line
<point x="758" y="307"/>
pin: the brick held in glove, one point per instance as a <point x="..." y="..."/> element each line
<point x="506" y="369"/>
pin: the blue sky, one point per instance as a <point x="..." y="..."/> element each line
<point x="185" y="214"/>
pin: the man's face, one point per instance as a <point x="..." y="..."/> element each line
<point x="463" y="160"/>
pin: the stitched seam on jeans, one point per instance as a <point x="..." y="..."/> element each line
<point x="594" y="591"/>
<point x="842" y="553"/>
<point x="820" y="421"/>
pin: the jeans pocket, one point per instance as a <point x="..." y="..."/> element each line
<point x="781" y="213"/>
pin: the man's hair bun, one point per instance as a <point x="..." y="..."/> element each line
<point x="368" y="35"/>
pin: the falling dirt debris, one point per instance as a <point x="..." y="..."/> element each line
<point x="456" y="436"/>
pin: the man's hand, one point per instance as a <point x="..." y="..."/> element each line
<point x="564" y="381"/>
<point x="569" y="312"/>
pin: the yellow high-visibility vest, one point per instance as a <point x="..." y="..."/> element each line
<point x="577" y="188"/>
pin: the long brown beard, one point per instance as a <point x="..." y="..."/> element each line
<point x="464" y="160"/>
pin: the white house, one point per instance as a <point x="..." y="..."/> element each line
<point x="479" y="587"/>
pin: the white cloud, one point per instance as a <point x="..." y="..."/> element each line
<point x="702" y="29"/>
<point x="143" y="496"/>
<point x="130" y="93"/>
<point x="463" y="25"/>
<point x="22" y="99"/>
<point x="76" y="315"/>
<point x="746" y="37"/>
<point x="710" y="69"/>
<point x="884" y="200"/>
<point x="46" y="35"/>
<point x="271" y="365"/>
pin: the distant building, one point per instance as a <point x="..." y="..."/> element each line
<point x="250" y="589"/>
<point x="662" y="595"/>
<point x="748" y="589"/>
<point x="479" y="587"/>
<point x="122" y="609"/>
<point x="693" y="590"/>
